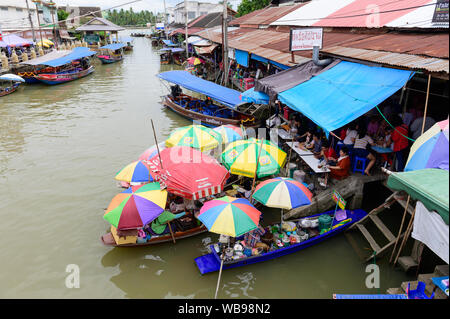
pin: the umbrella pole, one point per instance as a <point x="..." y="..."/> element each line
<point x="256" y="170"/>
<point x="171" y="232"/>
<point x="407" y="232"/>
<point x="157" y="146"/>
<point x="221" y="266"/>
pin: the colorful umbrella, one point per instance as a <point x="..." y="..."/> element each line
<point x="196" y="136"/>
<point x="430" y="150"/>
<point x="282" y="192"/>
<point x="229" y="216"/>
<point x="240" y="158"/>
<point x="194" y="61"/>
<point x="229" y="133"/>
<point x="189" y="173"/>
<point x="152" y="151"/>
<point x="136" y="172"/>
<point x="136" y="206"/>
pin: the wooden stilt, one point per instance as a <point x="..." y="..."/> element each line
<point x="408" y="231"/>
<point x="401" y="228"/>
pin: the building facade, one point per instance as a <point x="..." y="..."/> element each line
<point x="194" y="10"/>
<point x="80" y="15"/>
<point x="15" y="16"/>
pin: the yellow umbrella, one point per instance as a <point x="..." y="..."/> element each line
<point x="46" y="43"/>
<point x="196" y="136"/>
<point x="240" y="158"/>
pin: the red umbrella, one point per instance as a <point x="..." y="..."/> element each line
<point x="188" y="172"/>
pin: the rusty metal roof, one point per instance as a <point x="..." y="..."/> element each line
<point x="264" y="16"/>
<point x="403" y="60"/>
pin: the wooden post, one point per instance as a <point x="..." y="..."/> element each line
<point x="157" y="146"/>
<point x="426" y="103"/>
<point x="400" y="230"/>
<point x="171" y="232"/>
<point x="256" y="170"/>
<point x="408" y="231"/>
<point x="289" y="159"/>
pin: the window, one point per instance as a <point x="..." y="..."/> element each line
<point x="19" y="9"/>
<point x="4" y="8"/>
<point x="203" y="12"/>
<point x="191" y="14"/>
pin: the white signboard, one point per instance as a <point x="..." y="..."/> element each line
<point x="305" y="39"/>
<point x="160" y="26"/>
<point x="231" y="54"/>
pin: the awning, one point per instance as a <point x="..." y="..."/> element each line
<point x="113" y="46"/>
<point x="169" y="43"/>
<point x="285" y="80"/>
<point x="47" y="57"/>
<point x="343" y="93"/>
<point x="259" y="58"/>
<point x="254" y="97"/>
<point x="77" y="53"/>
<point x="216" y="92"/>
<point x="205" y="50"/>
<point x="172" y="49"/>
<point x="430" y="186"/>
<point x="198" y="41"/>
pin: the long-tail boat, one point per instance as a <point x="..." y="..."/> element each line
<point x="72" y="66"/>
<point x="13" y="79"/>
<point x="111" y="53"/>
<point x="211" y="262"/>
<point x="29" y="69"/>
<point x="220" y="108"/>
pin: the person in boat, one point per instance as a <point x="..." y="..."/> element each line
<point x="339" y="171"/>
<point x="175" y="91"/>
<point x="252" y="239"/>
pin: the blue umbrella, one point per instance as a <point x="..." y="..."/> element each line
<point x="11" y="77"/>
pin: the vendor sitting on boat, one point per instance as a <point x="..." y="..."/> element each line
<point x="176" y="91"/>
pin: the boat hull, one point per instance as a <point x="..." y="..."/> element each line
<point x="210" y="121"/>
<point x="110" y="60"/>
<point x="108" y="239"/>
<point x="11" y="89"/>
<point x="53" y="79"/>
<point x="211" y="262"/>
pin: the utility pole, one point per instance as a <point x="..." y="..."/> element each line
<point x="225" y="41"/>
<point x="186" y="33"/>
<point x="53" y="8"/>
<point x="39" y="22"/>
<point x="31" y="21"/>
<point x="165" y="21"/>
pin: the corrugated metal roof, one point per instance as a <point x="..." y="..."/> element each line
<point x="364" y="14"/>
<point x="409" y="61"/>
<point x="265" y="16"/>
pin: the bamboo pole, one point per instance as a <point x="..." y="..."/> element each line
<point x="157" y="146"/>
<point x="256" y="170"/>
<point x="220" y="273"/>
<point x="400" y="230"/>
<point x="171" y="232"/>
<point x="408" y="231"/>
<point x="426" y="103"/>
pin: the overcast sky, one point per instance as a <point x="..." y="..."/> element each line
<point x="151" y="5"/>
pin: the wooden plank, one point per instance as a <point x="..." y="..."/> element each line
<point x="369" y="238"/>
<point x="387" y="203"/>
<point x="382" y="227"/>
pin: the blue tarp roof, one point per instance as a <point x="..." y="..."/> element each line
<point x="76" y="54"/>
<point x="343" y="93"/>
<point x="126" y="39"/>
<point x="114" y="46"/>
<point x="216" y="92"/>
<point x="172" y="49"/>
<point x="254" y="96"/>
<point x="169" y="43"/>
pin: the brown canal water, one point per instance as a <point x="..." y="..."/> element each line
<point x="60" y="147"/>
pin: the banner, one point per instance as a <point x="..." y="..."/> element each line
<point x="160" y="26"/>
<point x="337" y="198"/>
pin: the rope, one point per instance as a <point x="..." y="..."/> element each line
<point x="393" y="126"/>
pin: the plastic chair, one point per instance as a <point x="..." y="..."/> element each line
<point x="363" y="162"/>
<point x="419" y="292"/>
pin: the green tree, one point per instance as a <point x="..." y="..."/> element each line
<point x="62" y="14"/>
<point x="248" y="6"/>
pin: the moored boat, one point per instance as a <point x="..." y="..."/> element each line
<point x="15" y="81"/>
<point x="65" y="76"/>
<point x="111" y="53"/>
<point x="29" y="69"/>
<point x="211" y="262"/>
<point x="223" y="112"/>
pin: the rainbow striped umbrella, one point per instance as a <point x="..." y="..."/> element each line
<point x="430" y="150"/>
<point x="136" y="172"/>
<point x="282" y="192"/>
<point x="240" y="158"/>
<point x="229" y="216"/>
<point x="196" y="136"/>
<point x="136" y="206"/>
<point x="152" y="151"/>
<point x="229" y="133"/>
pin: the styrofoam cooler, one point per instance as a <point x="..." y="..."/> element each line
<point x="299" y="176"/>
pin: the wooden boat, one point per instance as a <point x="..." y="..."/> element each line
<point x="211" y="115"/>
<point x="9" y="89"/>
<point x="211" y="262"/>
<point x="107" y="59"/>
<point x="65" y="76"/>
<point x="108" y="239"/>
<point x="164" y="58"/>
